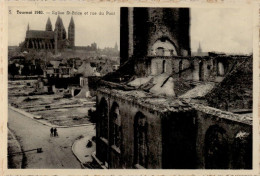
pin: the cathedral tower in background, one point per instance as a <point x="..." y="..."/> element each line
<point x="71" y="33"/>
<point x="48" y="25"/>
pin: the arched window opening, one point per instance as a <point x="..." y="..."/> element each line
<point x="115" y="126"/>
<point x="140" y="140"/>
<point x="221" y="69"/>
<point x="163" y="66"/>
<point x="103" y="110"/>
<point x="216" y="148"/>
<point x="164" y="47"/>
<point x="160" y="51"/>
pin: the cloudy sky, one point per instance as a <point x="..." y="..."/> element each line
<point x="217" y="29"/>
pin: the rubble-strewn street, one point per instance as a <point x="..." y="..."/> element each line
<point x="57" y="151"/>
<point x="52" y="110"/>
<point x="68" y="111"/>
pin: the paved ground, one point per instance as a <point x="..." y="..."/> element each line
<point x="14" y="161"/>
<point x="81" y="151"/>
<point x="57" y="151"/>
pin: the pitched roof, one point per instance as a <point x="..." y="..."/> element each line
<point x="40" y="34"/>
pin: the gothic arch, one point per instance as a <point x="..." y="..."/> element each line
<point x="140" y="140"/>
<point x="115" y="126"/>
<point x="216" y="148"/>
<point x="103" y="118"/>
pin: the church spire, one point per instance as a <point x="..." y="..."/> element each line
<point x="71" y="33"/>
<point x="59" y="22"/>
<point x="48" y="25"/>
<point x="59" y="28"/>
<point x="71" y="22"/>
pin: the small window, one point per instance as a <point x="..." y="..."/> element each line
<point x="160" y="51"/>
<point x="163" y="66"/>
<point x="221" y="69"/>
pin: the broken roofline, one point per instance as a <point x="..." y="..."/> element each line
<point x="180" y="105"/>
<point x="195" y="57"/>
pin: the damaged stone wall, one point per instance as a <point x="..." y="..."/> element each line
<point x="179" y="140"/>
<point x="124" y="157"/>
<point x="161" y="65"/>
<point x="138" y="35"/>
<point x="177" y="133"/>
<point x="142" y="67"/>
<point x="227" y="126"/>
<point x="188" y="68"/>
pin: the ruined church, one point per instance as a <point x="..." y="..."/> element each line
<point x="51" y="40"/>
<point x="166" y="109"/>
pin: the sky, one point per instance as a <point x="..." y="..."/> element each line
<point x="228" y="30"/>
<point x="222" y="30"/>
<point x="102" y="29"/>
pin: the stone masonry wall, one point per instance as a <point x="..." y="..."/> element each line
<point x="162" y="143"/>
<point x="128" y="110"/>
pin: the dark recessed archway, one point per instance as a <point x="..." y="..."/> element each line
<point x="140" y="140"/>
<point x="242" y="150"/>
<point x="216" y="148"/>
<point x="103" y="116"/>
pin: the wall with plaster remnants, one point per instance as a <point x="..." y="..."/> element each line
<point x="175" y="139"/>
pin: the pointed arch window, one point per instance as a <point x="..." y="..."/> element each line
<point x="115" y="126"/>
<point x="140" y="140"/>
<point x="216" y="148"/>
<point x="103" y="109"/>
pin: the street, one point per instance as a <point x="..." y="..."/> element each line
<point x="57" y="151"/>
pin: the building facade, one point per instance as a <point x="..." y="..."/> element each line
<point x="172" y="110"/>
<point x="52" y="40"/>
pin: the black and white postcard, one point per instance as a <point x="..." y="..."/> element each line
<point x="120" y="88"/>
